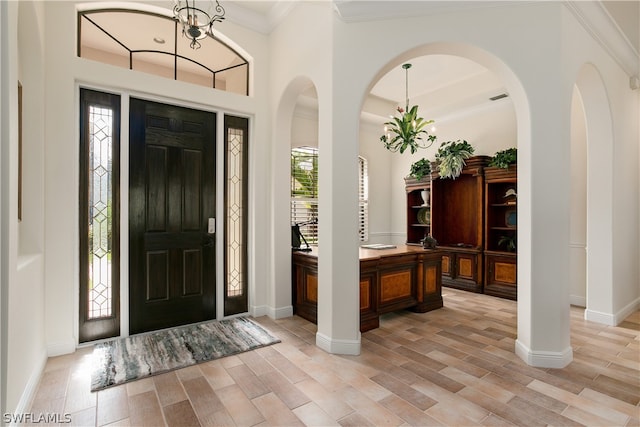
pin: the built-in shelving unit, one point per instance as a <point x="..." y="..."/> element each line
<point x="457" y="214"/>
<point x="474" y="220"/>
<point x="418" y="209"/>
<point x="501" y="229"/>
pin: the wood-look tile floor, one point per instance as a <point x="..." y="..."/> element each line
<point x="454" y="366"/>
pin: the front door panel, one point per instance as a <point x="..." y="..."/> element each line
<point x="171" y="198"/>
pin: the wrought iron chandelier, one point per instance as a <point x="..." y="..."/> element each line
<point x="408" y="130"/>
<point x="197" y="23"/>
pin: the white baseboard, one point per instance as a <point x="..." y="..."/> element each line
<point x="273" y="313"/>
<point x="627" y="311"/>
<point x="612" y="319"/>
<point x="30" y="389"/>
<point x="348" y="347"/>
<point x="259" y="310"/>
<point x="60" y="348"/>
<point x="544" y="359"/>
<point x="577" y="300"/>
<point x="282" y="312"/>
<point x="600" y="317"/>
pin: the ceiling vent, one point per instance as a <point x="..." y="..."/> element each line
<point x="495" y="98"/>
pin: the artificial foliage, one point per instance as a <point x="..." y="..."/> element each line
<point x="509" y="242"/>
<point x="407" y="131"/>
<point x="420" y="169"/>
<point x="451" y="158"/>
<point x="503" y="159"/>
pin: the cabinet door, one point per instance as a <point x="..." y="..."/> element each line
<point x="466" y="267"/>
<point x="501" y="271"/>
<point x="447" y="262"/>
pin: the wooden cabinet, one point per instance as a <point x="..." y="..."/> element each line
<point x="501" y="274"/>
<point x="418" y="209"/>
<point x="501" y="227"/>
<point x="462" y="268"/>
<point x="474" y="218"/>
<point x="457" y="223"/>
<point x="390" y="279"/>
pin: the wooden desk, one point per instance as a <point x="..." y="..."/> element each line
<point x="390" y="279"/>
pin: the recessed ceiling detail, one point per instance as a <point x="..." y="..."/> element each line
<point x="121" y="37"/>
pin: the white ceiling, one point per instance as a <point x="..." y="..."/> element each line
<point x="445" y="83"/>
<point x="427" y="75"/>
<point x="441" y="81"/>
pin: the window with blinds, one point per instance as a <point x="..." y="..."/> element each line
<point x="304" y="193"/>
<point x="363" y="199"/>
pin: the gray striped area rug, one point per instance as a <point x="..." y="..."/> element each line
<point x="126" y="359"/>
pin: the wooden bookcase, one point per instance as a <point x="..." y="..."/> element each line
<point x="501" y="228"/>
<point x="457" y="223"/>
<point x="418" y="209"/>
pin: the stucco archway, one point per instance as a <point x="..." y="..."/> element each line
<point x="599" y="135"/>
<point x="280" y="297"/>
<point x="528" y="313"/>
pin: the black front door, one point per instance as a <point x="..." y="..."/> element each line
<point x="171" y="205"/>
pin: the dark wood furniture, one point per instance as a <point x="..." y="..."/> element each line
<point x="390" y="279"/>
<point x="500" y="258"/>
<point x="457" y="223"/>
<point x="418" y="209"/>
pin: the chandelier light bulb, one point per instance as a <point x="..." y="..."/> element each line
<point x="197" y="23"/>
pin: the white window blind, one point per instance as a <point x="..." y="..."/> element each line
<point x="304" y="193"/>
<point x="363" y="199"/>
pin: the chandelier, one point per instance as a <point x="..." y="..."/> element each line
<point x="197" y="23"/>
<point x="408" y="130"/>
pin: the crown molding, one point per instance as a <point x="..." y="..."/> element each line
<point x="366" y="10"/>
<point x="256" y="21"/>
<point x="595" y="18"/>
<point x="592" y="15"/>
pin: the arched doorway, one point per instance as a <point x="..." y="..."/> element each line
<point x="530" y="312"/>
<point x="599" y="197"/>
<point x="281" y="189"/>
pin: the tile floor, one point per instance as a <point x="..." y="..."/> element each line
<point x="454" y="366"/>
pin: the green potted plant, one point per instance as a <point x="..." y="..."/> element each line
<point x="509" y="242"/>
<point x="451" y="158"/>
<point x="420" y="169"/>
<point x="503" y="159"/>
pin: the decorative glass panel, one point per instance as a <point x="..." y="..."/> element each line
<point x="113" y="36"/>
<point x="235" y="208"/>
<point x="100" y="211"/>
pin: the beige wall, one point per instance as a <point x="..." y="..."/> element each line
<point x="313" y="47"/>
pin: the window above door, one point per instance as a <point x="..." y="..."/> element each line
<point x="153" y="43"/>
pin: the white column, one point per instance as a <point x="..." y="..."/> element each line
<point x="338" y="262"/>
<point x="543" y="233"/>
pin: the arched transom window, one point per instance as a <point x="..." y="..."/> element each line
<point x="154" y="44"/>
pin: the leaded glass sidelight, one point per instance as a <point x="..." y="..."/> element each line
<point x="99" y="208"/>
<point x="235" y="215"/>
<point x="100" y="211"/>
<point x="235" y="273"/>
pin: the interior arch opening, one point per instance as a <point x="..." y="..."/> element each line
<point x="598" y="170"/>
<point x="467" y="102"/>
